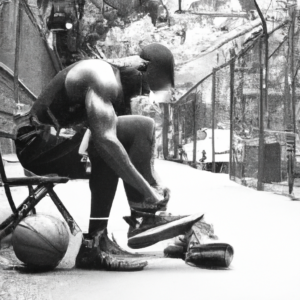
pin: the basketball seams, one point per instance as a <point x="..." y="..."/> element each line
<point x="40" y="241"/>
<point x="41" y="237"/>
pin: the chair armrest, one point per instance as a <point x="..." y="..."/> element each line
<point x="35" y="180"/>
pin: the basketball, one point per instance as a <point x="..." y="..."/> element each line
<point x="40" y="241"/>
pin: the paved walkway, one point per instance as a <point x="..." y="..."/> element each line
<point x="262" y="227"/>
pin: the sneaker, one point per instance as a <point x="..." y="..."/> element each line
<point x="87" y="255"/>
<point x="100" y="253"/>
<point x="159" y="228"/>
<point x="178" y="249"/>
<point x="199" y="234"/>
<point x="152" y="207"/>
<point x="141" y="221"/>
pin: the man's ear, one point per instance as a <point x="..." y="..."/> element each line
<point x="143" y="67"/>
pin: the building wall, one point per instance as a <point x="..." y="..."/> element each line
<point x="8" y="108"/>
<point x="35" y="64"/>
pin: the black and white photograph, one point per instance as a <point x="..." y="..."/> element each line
<point x="149" y="149"/>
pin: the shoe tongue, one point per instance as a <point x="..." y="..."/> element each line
<point x="162" y="213"/>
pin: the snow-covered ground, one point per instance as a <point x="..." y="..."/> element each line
<point x="262" y="227"/>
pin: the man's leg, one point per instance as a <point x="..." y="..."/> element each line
<point x="97" y="250"/>
<point x="137" y="134"/>
<point x="45" y="154"/>
<point x="103" y="185"/>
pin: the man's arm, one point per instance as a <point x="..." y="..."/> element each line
<point x="103" y="120"/>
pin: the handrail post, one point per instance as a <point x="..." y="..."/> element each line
<point x="194" y="131"/>
<point x="213" y="99"/>
<point x="261" y="146"/>
<point x="176" y="130"/>
<point x="232" y="64"/>
<point x="165" y="130"/>
<point x="263" y="103"/>
<point x="17" y="51"/>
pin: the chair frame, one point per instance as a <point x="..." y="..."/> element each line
<point x="43" y="185"/>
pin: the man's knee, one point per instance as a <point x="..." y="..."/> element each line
<point x="130" y="128"/>
<point x="146" y="127"/>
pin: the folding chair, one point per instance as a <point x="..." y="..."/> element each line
<point x="43" y="185"/>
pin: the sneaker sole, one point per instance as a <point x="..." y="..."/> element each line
<point x="163" y="232"/>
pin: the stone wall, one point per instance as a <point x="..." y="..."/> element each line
<point x="36" y="67"/>
<point x="9" y="108"/>
<point x="35" y="64"/>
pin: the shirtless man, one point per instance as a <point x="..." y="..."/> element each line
<point x="94" y="94"/>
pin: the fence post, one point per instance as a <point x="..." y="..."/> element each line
<point x="17" y="51"/>
<point x="194" y="131"/>
<point x="185" y="125"/>
<point x="291" y="140"/>
<point x="292" y="69"/>
<point x="261" y="146"/>
<point x="263" y="104"/>
<point x="213" y="100"/>
<point x="232" y="64"/>
<point x="165" y="130"/>
<point x="176" y="130"/>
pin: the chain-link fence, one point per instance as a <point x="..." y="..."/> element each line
<point x="191" y="113"/>
<point x="242" y="118"/>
